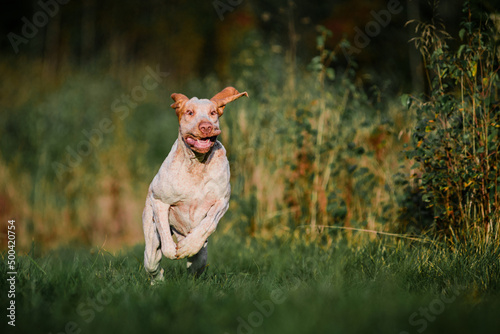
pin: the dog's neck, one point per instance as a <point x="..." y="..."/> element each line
<point x="191" y="155"/>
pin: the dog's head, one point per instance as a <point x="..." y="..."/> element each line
<point x="199" y="119"/>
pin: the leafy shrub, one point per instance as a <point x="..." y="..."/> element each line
<point x="456" y="140"/>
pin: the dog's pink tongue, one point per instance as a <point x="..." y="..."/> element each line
<point x="198" y="143"/>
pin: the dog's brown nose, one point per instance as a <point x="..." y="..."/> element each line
<point x="205" y="128"/>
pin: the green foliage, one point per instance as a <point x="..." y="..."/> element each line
<point x="330" y="174"/>
<point x="456" y="140"/>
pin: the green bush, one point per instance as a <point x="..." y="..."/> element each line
<point x="456" y="140"/>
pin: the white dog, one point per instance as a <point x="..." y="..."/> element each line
<point x="190" y="193"/>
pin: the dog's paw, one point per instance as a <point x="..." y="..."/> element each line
<point x="169" y="250"/>
<point x="158" y="278"/>
<point x="189" y="246"/>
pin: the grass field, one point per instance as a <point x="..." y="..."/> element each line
<point x="252" y="286"/>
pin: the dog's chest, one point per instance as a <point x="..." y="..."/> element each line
<point x="195" y="188"/>
<point x="191" y="188"/>
<point x="192" y="198"/>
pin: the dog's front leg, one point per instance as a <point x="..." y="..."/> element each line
<point x="196" y="264"/>
<point x="196" y="238"/>
<point x="160" y="217"/>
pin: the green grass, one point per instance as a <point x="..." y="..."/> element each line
<point x="371" y="287"/>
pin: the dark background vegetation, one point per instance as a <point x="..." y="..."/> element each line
<point x="192" y="41"/>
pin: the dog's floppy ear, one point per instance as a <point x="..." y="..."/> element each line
<point x="227" y="95"/>
<point x="179" y="101"/>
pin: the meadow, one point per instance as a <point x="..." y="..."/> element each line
<point x="253" y="286"/>
<point x="352" y="210"/>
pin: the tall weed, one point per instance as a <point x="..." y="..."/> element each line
<point x="455" y="143"/>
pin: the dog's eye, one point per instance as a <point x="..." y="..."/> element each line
<point x="190" y="112"/>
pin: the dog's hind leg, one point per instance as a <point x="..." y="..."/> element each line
<point x="196" y="264"/>
<point x="152" y="252"/>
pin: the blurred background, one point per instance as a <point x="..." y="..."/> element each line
<point x="85" y="120"/>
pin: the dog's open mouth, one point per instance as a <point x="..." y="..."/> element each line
<point x="201" y="144"/>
